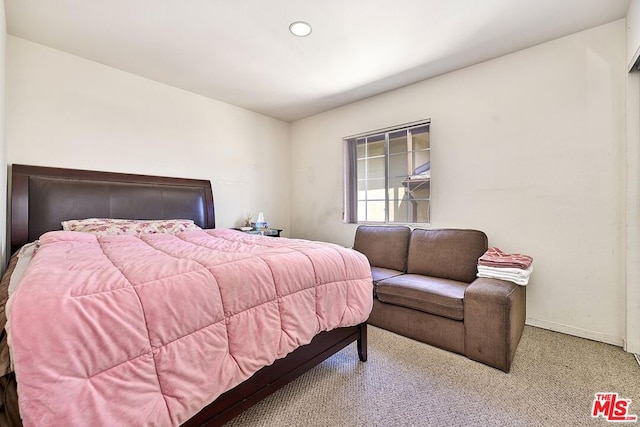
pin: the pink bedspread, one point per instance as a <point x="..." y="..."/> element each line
<point x="122" y="330"/>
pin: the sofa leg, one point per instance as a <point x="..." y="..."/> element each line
<point x="362" y="343"/>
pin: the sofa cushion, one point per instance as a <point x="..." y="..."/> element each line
<point x="433" y="295"/>
<point x="446" y="253"/>
<point x="384" y="247"/>
<point x="379" y="274"/>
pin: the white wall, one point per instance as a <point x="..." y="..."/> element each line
<point x="528" y="148"/>
<point x="632" y="182"/>
<point x="632" y="220"/>
<point x="66" y="111"/>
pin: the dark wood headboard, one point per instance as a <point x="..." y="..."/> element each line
<point x="43" y="197"/>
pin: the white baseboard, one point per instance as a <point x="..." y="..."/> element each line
<point x="577" y="332"/>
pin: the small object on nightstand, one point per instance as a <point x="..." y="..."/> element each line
<point x="271" y="232"/>
<point x="261" y="223"/>
<point x="247" y="220"/>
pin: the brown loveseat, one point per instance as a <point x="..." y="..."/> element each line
<point x="425" y="288"/>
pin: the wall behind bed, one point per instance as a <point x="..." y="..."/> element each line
<point x="529" y="148"/>
<point x="66" y="111"/>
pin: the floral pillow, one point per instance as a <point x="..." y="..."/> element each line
<point x="110" y="227"/>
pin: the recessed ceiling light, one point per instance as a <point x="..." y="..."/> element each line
<point x="300" y="29"/>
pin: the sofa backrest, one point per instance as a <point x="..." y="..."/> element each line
<point x="446" y="253"/>
<point x="384" y="246"/>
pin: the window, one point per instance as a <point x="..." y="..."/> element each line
<point x="388" y="175"/>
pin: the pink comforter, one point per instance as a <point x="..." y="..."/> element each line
<point x="121" y="330"/>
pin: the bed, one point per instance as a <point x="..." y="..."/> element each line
<point x="42" y="197"/>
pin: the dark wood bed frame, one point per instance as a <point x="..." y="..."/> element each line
<point x="42" y="197"/>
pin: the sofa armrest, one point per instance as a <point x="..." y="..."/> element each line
<point x="494" y="316"/>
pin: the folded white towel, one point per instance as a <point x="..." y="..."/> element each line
<point x="519" y="272"/>
<point x="517" y="281"/>
<point x="515" y="275"/>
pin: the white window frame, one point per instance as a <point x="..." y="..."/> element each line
<point x="410" y="181"/>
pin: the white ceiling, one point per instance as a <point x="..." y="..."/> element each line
<point x="240" y="51"/>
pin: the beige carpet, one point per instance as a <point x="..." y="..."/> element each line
<point x="552" y="382"/>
